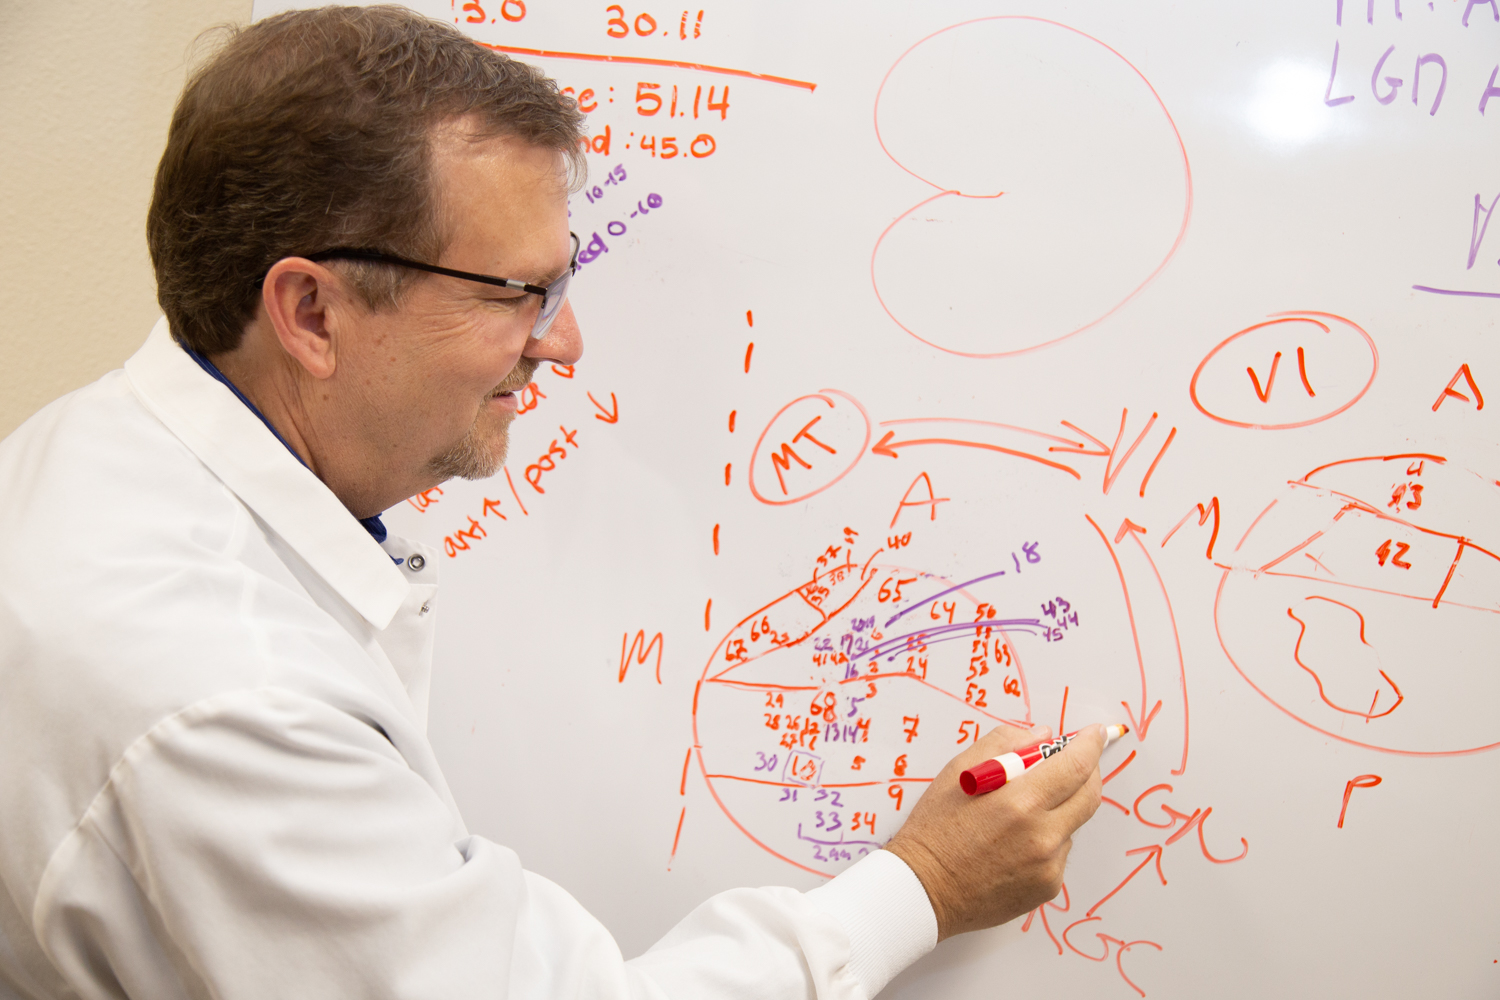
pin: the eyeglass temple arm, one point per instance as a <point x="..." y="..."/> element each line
<point x="349" y="253"/>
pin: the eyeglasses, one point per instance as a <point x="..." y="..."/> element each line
<point x="553" y="295"/>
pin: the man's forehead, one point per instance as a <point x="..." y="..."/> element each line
<point x="461" y="156"/>
<point x="503" y="199"/>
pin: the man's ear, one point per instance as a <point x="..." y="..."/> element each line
<point x="303" y="302"/>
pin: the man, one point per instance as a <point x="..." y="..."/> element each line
<point x="214" y="777"/>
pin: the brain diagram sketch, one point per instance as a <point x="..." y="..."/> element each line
<point x="822" y="714"/>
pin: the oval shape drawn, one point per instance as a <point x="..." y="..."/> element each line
<point x="1280" y="365"/>
<point x="817" y="453"/>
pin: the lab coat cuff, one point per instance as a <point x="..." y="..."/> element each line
<point x="883" y="908"/>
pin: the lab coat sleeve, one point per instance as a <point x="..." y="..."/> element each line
<point x="277" y="846"/>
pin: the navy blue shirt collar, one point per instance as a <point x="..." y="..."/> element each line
<point x="373" y="525"/>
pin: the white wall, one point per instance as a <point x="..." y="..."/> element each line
<point x="86" y="92"/>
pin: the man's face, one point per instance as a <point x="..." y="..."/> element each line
<point x="437" y="375"/>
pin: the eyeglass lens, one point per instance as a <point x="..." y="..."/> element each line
<point x="557" y="294"/>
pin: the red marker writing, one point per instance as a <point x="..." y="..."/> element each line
<point x="989" y="775"/>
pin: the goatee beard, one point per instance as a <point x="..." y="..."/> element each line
<point x="473" y="458"/>
<point x="470" y="458"/>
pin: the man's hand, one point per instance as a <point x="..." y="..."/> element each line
<point x="986" y="859"/>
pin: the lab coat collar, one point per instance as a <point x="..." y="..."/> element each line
<point x="243" y="453"/>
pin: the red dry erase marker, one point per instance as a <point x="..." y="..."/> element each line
<point x="989" y="775"/>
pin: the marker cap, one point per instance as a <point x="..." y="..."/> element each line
<point x="985" y="776"/>
<point x="988" y="775"/>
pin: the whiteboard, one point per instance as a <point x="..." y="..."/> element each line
<point x="1049" y="361"/>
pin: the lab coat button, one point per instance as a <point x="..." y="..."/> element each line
<point x="415" y="563"/>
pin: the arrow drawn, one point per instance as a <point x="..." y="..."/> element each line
<point x="885" y="446"/>
<point x="1103" y="451"/>
<point x="1112" y="471"/>
<point x="1172" y="618"/>
<point x="969" y="422"/>
<point x="1142" y="724"/>
<point x="1145" y="720"/>
<point x="1110" y="452"/>
<point x="1153" y="853"/>
<point x="1211" y="508"/>
<point x="493" y="507"/>
<point x="609" y="416"/>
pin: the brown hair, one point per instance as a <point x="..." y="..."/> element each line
<point x="312" y="129"/>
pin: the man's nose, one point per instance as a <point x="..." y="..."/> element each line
<point x="563" y="341"/>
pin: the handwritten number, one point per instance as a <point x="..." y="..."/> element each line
<point x="617" y="26"/>
<point x="643" y="97"/>
<point x="723" y="106"/>
<point x="1384" y="552"/>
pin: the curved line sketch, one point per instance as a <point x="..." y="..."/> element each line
<point x="944" y="191"/>
<point x="1318" y="679"/>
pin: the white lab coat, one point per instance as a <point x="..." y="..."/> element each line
<point x="214" y="774"/>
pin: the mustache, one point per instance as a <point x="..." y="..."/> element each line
<point x="519" y="377"/>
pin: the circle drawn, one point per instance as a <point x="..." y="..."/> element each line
<point x="1278" y="318"/>
<point x="858" y="453"/>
